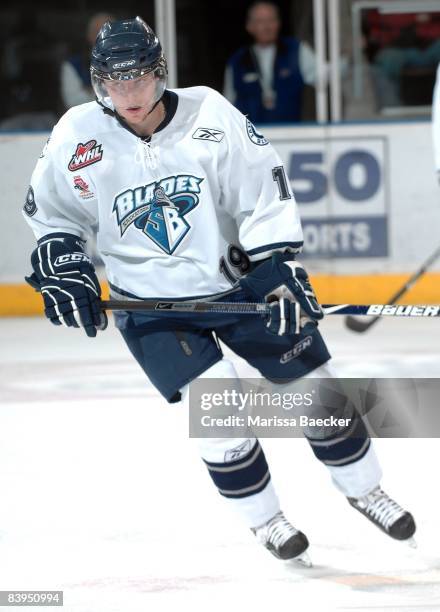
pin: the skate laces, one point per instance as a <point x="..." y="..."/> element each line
<point x="276" y="531"/>
<point x="381" y="508"/>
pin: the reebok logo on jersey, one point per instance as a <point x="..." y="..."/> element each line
<point x="296" y="350"/>
<point x="85" y="155"/>
<point x="208" y="134"/>
<point x="159" y="209"/>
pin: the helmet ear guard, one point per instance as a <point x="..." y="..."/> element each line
<point x="126" y="50"/>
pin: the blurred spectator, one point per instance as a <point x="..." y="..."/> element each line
<point x="265" y="80"/>
<point x="30" y="77"/>
<point x="402" y="46"/>
<point x="76" y="87"/>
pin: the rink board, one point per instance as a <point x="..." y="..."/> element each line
<point x="367" y="193"/>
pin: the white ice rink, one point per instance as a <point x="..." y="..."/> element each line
<point x="103" y="496"/>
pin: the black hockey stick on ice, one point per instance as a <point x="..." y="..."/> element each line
<point x="262" y="308"/>
<point x="360" y="326"/>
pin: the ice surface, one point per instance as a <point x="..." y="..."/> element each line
<point x="103" y="495"/>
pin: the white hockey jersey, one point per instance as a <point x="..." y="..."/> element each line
<point x="165" y="210"/>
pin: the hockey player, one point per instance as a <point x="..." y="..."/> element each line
<point x="169" y="179"/>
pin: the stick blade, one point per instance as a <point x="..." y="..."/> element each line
<point x="358" y="324"/>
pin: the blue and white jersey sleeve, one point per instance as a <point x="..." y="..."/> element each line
<point x="256" y="191"/>
<point x="52" y="205"/>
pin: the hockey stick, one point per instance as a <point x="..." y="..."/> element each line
<point x="362" y="326"/>
<point x="262" y="308"/>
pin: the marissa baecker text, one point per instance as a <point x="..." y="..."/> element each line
<point x="274" y="421"/>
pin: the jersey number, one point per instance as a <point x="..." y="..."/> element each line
<point x="279" y="176"/>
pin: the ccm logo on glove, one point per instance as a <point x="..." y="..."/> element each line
<point x="71" y="258"/>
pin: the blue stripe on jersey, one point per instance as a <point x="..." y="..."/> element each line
<point x="273" y="246"/>
<point x="48" y="237"/>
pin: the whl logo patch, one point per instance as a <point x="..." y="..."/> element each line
<point x="85" y="155"/>
<point x="159" y="210"/>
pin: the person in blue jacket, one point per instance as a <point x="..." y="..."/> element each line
<point x="265" y="80"/>
<point x="76" y="87"/>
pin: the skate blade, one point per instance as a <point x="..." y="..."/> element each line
<point x="411" y="542"/>
<point x="303" y="559"/>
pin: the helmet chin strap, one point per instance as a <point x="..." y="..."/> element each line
<point x="154" y="105"/>
<point x="113" y="112"/>
<point x="121" y="120"/>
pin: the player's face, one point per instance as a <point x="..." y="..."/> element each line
<point x="133" y="99"/>
<point x="263" y="24"/>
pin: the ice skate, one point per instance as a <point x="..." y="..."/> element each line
<point x="386" y="514"/>
<point x="283" y="540"/>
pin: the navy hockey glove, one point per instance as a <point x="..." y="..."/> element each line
<point x="284" y="284"/>
<point x="66" y="278"/>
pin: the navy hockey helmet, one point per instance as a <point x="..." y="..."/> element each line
<point x="126" y="50"/>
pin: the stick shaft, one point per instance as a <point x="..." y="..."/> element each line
<point x="415" y="277"/>
<point x="373" y="310"/>
<point x="361" y="326"/>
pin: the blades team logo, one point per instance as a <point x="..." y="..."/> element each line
<point x="255" y="136"/>
<point x="85" y="155"/>
<point x="81" y="186"/>
<point x="159" y="210"/>
<point x="30" y="207"/>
